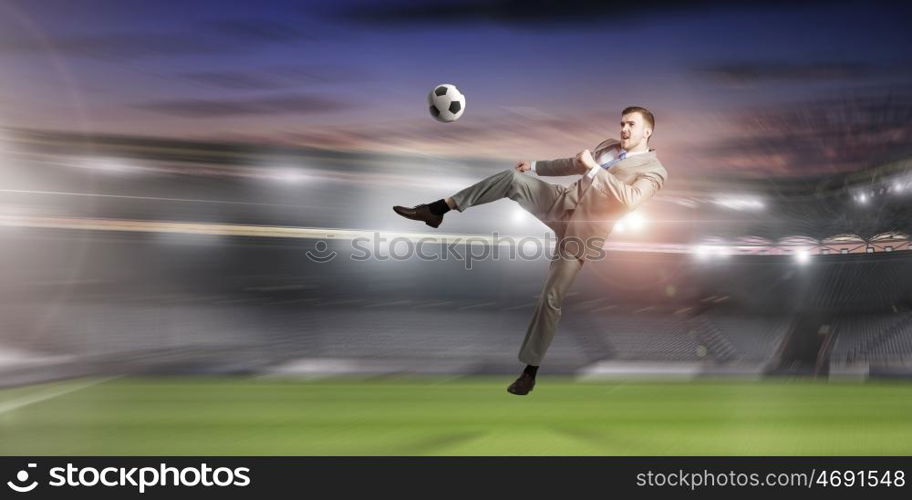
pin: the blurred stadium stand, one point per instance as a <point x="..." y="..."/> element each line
<point x="78" y="301"/>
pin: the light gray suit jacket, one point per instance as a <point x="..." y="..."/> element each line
<point x="586" y="211"/>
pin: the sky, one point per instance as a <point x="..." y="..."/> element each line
<point x="749" y="88"/>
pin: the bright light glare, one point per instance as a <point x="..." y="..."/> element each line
<point x="705" y="252"/>
<point x="520" y="216"/>
<point x="740" y="203"/>
<point x="633" y="221"/>
<point x="291" y="175"/>
<point x="109" y="165"/>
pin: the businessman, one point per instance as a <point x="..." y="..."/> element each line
<point x="616" y="177"/>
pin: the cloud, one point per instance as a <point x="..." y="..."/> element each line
<point x="754" y="72"/>
<point x="320" y="73"/>
<point x="119" y="45"/>
<point x="258" y="30"/>
<point x="207" y="37"/>
<point x="823" y="136"/>
<point x="509" y="136"/>
<point x="523" y="12"/>
<point x="272" y="105"/>
<point x="234" y="80"/>
<point x="275" y="77"/>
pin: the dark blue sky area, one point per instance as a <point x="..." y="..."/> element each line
<point x="541" y="78"/>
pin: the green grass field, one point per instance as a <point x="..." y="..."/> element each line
<point x="467" y="416"/>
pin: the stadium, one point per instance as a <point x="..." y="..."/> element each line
<point x="177" y="297"/>
<point x="212" y="255"/>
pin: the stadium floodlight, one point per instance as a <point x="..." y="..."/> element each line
<point x="704" y="252"/>
<point x="109" y="165"/>
<point x="740" y="202"/>
<point x="287" y="174"/>
<point x="520" y="216"/>
<point x="633" y="221"/>
<point x="802" y="256"/>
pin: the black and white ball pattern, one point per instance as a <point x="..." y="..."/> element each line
<point x="446" y="102"/>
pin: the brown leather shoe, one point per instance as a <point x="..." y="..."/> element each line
<point x="419" y="212"/>
<point x="522" y="386"/>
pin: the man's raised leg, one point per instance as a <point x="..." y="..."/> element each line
<point x="534" y="195"/>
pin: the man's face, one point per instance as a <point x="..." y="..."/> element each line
<point x="634" y="132"/>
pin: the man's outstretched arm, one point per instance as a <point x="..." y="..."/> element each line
<point x="565" y="166"/>
<point x="562" y="166"/>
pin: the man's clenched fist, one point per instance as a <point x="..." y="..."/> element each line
<point x="584" y="159"/>
<point x="523" y="166"/>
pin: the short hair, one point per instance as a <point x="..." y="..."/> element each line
<point x="647" y="115"/>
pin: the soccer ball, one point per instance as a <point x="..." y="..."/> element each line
<point x="446" y="103"/>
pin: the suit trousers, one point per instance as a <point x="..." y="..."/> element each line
<point x="536" y="197"/>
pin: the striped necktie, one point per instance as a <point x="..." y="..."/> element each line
<point x="620" y="157"/>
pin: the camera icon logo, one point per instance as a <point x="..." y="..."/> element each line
<point x="21" y="477"/>
<point x="321" y="253"/>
